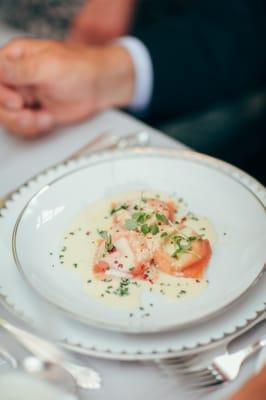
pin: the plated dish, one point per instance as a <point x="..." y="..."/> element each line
<point x="16" y="295"/>
<point x="235" y="264"/>
<point x="136" y="242"/>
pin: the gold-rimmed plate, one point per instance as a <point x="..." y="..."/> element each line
<point x="238" y="258"/>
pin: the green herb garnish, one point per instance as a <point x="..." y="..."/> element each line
<point x="183" y="244"/>
<point x="140" y="217"/>
<point x="145" y="229"/>
<point x="192" y="238"/>
<point x="131" y="224"/>
<point x="154" y="229"/>
<point x="122" y="207"/>
<point x="108" y="240"/>
<point x="162" y="218"/>
<point x="122" y="289"/>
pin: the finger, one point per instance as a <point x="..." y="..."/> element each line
<point x="20" y="47"/>
<point x="19" y="59"/>
<point x="18" y="73"/>
<point x="10" y="99"/>
<point x="29" y="96"/>
<point x="80" y="31"/>
<point x="31" y="123"/>
<point x="27" y="123"/>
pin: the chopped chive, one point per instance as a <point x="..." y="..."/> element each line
<point x="122" y="207"/>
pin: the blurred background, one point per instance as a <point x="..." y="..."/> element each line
<point x="233" y="128"/>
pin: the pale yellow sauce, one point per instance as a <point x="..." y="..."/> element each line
<point x="79" y="246"/>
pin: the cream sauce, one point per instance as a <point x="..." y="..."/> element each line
<point x="79" y="246"/>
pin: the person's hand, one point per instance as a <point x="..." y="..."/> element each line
<point x="255" y="388"/>
<point x="100" y="21"/>
<point x="49" y="83"/>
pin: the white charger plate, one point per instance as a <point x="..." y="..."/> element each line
<point x="238" y="257"/>
<point x="20" y="299"/>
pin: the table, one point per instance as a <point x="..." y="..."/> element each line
<point x="19" y="160"/>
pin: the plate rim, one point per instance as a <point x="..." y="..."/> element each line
<point x="121" y="154"/>
<point x="247" y="321"/>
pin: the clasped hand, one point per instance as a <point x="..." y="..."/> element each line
<point x="44" y="83"/>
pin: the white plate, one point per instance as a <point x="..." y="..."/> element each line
<point x="19" y="299"/>
<point x="238" y="256"/>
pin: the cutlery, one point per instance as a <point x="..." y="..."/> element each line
<point x="45" y="351"/>
<point x="222" y="369"/>
<point x="48" y="372"/>
<point x="109" y="141"/>
<point x="200" y="371"/>
<point x="8" y="358"/>
<point x="104" y="141"/>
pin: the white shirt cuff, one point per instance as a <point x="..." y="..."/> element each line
<point x="143" y="72"/>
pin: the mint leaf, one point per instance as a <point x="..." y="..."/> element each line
<point x="145" y="229"/>
<point x="154" y="229"/>
<point x="140" y="217"/>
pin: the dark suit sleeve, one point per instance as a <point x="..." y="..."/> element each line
<point x="211" y="52"/>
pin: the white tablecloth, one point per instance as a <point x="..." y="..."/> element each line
<point x="20" y="160"/>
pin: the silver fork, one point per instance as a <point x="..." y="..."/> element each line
<point x="222" y="369"/>
<point x="46" y="351"/>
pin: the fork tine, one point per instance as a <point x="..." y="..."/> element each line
<point x="204" y="386"/>
<point x="202" y="374"/>
<point x="180" y="367"/>
<point x="200" y="381"/>
<point x="180" y="363"/>
<point x="197" y="372"/>
<point x="178" y="360"/>
<point x="181" y="358"/>
<point x="198" y="377"/>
